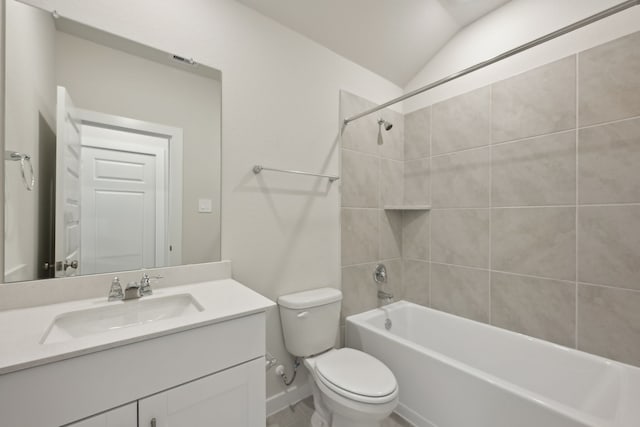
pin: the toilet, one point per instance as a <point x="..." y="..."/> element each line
<point x="350" y="388"/>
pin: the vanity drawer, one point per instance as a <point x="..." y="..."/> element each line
<point x="61" y="392"/>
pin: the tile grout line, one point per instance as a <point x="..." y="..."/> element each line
<point x="607" y="123"/>
<point x="490" y="202"/>
<point x="528" y="138"/>
<point x="379" y="199"/>
<point x="512" y="273"/>
<point x="430" y="199"/>
<point x="361" y="264"/>
<point x="341" y="130"/>
<point x="577" y="286"/>
<point x="585" y="205"/>
<point x="532" y="276"/>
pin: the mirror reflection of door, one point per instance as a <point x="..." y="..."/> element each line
<point x="123" y="201"/>
<point x="68" y="152"/>
<point x="115" y="181"/>
<point x="103" y="73"/>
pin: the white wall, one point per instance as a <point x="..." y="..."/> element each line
<point x="110" y="81"/>
<point x="279" y="108"/>
<point x="30" y="89"/>
<point x="516" y="23"/>
<point x="2" y="126"/>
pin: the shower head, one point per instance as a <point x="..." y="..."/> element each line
<point x="387" y="126"/>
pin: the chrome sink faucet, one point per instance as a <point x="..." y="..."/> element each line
<point x="134" y="290"/>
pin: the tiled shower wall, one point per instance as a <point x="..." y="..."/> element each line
<point x="534" y="183"/>
<point x="372" y="176"/>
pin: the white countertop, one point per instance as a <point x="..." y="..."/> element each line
<point x="21" y="331"/>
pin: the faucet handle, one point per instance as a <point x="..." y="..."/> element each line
<point x="115" y="292"/>
<point x="145" y="284"/>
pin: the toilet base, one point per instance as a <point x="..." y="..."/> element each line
<point x="339" y="421"/>
<point x="327" y="415"/>
<point x="318" y="421"/>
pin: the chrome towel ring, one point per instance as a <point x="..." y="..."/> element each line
<point x="15" y="156"/>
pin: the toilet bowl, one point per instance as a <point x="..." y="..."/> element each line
<point x="350" y="388"/>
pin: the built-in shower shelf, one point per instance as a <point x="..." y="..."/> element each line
<point x="407" y="208"/>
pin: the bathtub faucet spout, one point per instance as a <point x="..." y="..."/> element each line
<point x="385" y="297"/>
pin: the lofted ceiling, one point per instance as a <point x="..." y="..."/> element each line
<point x="393" y="38"/>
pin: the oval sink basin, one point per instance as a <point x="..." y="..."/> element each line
<point x="118" y="315"/>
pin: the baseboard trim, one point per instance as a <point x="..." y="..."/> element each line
<point x="292" y="395"/>
<point x="412" y="416"/>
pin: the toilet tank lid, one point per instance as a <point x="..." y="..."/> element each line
<point x="312" y="298"/>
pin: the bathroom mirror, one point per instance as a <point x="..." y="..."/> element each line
<point x="112" y="152"/>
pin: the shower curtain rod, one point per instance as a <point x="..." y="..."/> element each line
<point x="555" y="34"/>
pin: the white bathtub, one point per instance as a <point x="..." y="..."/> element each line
<point x="454" y="372"/>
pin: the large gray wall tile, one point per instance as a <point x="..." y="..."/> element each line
<point x="534" y="172"/>
<point x="416" y="182"/>
<point x="461" y="180"/>
<point x="460" y="291"/>
<point x="390" y="234"/>
<point x="359" y="180"/>
<point x="359" y="237"/>
<point x="535" y="241"/>
<point x="460" y="236"/>
<point x="609" y="161"/>
<point x="415" y="235"/>
<point x="417" y="130"/>
<point x="537" y="102"/>
<point x="540" y="308"/>
<point x="609" y="323"/>
<point x="391" y="182"/>
<point x="362" y="134"/>
<point x="609" y="245"/>
<point x="359" y="291"/>
<point x="609" y="81"/>
<point x="462" y="122"/>
<point x="415" y="282"/>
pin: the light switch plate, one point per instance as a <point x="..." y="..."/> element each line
<point x="204" y="205"/>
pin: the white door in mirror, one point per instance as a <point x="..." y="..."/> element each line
<point x="68" y="152"/>
<point x="119" y="221"/>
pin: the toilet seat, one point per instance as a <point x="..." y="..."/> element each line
<point x="357" y="376"/>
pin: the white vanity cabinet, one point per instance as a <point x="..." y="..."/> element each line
<point x="211" y="375"/>
<point x="234" y="397"/>
<point x="124" y="416"/>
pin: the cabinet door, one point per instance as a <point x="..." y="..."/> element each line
<point x="233" y="397"/>
<point x="124" y="416"/>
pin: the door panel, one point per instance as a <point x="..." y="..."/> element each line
<point x="234" y="397"/>
<point x="68" y="152"/>
<point x="124" y="416"/>
<point x="119" y="203"/>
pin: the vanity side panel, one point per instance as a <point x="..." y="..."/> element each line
<point x="72" y="389"/>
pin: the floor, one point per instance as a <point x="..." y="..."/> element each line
<point x="300" y="416"/>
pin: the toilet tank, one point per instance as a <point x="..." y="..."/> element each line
<point x="310" y="320"/>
